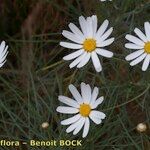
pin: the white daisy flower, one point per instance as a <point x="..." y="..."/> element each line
<point x="83" y="107"/>
<point x="3" y="53"/>
<point x="88" y="43"/>
<point x="105" y="0"/>
<point x="142" y="46"/>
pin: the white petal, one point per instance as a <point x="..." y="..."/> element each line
<point x="106" y="42"/>
<point x="75" y="93"/>
<point x="70" y="45"/>
<point x="102" y="29"/>
<point x="134" y="55"/>
<point x="71" y="120"/>
<point x="83" y="91"/>
<point x="84" y="61"/>
<point x="77" y="60"/>
<point x="86" y="127"/>
<point x="97" y="102"/>
<point x="89" y="27"/>
<point x="3" y="53"/>
<point x="3" y="56"/>
<point x="68" y="101"/>
<point x="79" y="126"/>
<point x="97" y="114"/>
<point x="134" y="40"/>
<point x="75" y="125"/>
<point x="67" y="110"/>
<point x="2" y="63"/>
<point x="146" y="63"/>
<point x="94" y="95"/>
<point x="94" y="18"/>
<point x="140" y="34"/>
<point x="86" y="92"/>
<point x="104" y="53"/>
<point x="138" y="60"/>
<point x="96" y="62"/>
<point x="2" y="46"/>
<point x="74" y="55"/>
<point x="72" y="37"/>
<point x="105" y="35"/>
<point x="147" y="30"/>
<point x="95" y="119"/>
<point x="83" y="25"/>
<point x="133" y="46"/>
<point x="76" y="31"/>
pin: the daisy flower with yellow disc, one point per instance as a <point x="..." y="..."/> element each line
<point x="142" y="46"/>
<point x="83" y="107"/>
<point x="89" y="42"/>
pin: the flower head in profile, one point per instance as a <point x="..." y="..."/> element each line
<point x="105" y="0"/>
<point x="141" y="45"/>
<point x="3" y="53"/>
<point x="82" y="106"/>
<point x="89" y="42"/>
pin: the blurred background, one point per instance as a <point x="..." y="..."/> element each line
<point x="35" y="74"/>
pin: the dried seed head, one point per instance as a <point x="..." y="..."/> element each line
<point x="45" y="125"/>
<point x="141" y="127"/>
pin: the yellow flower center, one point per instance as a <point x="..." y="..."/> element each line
<point x="89" y="45"/>
<point x="147" y="47"/>
<point x="85" y="110"/>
